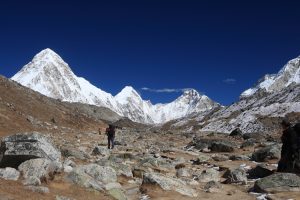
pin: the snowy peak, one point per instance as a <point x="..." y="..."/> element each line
<point x="126" y="94"/>
<point x="270" y="83"/>
<point x="50" y="75"/>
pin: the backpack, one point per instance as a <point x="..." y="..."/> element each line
<point x="110" y="131"/>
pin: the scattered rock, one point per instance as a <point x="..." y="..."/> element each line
<point x="9" y="174"/>
<point x="72" y="152"/>
<point x="220" y="157"/>
<point x="279" y="182"/>
<point x="239" y="157"/>
<point x="62" y="198"/>
<point x="18" y="148"/>
<point x="41" y="168"/>
<point x="248" y="143"/>
<point x="100" y="173"/>
<point x="79" y="177"/>
<point x="182" y="172"/>
<point x="209" y="175"/>
<point x="117" y="194"/>
<point x="32" y="180"/>
<point x="222" y="146"/>
<point x="212" y="187"/>
<point x="260" y="171"/>
<point x="167" y="183"/>
<point x="236" y="176"/>
<point x="38" y="189"/>
<point x="100" y="150"/>
<point x="267" y="153"/>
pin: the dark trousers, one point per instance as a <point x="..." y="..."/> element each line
<point x="110" y="142"/>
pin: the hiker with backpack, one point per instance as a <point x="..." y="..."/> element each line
<point x="110" y="132"/>
<point x="290" y="152"/>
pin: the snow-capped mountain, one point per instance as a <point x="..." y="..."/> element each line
<point x="48" y="74"/>
<point x="289" y="74"/>
<point x="259" y="109"/>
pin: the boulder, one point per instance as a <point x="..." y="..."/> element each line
<point x="267" y="153"/>
<point x="117" y="194"/>
<point x="41" y="168"/>
<point x="209" y="175"/>
<point x="79" y="177"/>
<point x="183" y="172"/>
<point x="216" y="145"/>
<point x="100" y="173"/>
<point x="249" y="143"/>
<point x="100" y="150"/>
<point x="260" y="171"/>
<point x="279" y="182"/>
<point x="167" y="183"/>
<point x="18" y="148"/>
<point x="220" y="157"/>
<point x="212" y="187"/>
<point x="239" y="157"/>
<point x="238" y="175"/>
<point x="76" y="153"/>
<point x="9" y="174"/>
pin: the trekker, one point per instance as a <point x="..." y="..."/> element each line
<point x="110" y="132"/>
<point x="290" y="149"/>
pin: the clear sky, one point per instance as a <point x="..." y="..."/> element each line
<point x="220" y="48"/>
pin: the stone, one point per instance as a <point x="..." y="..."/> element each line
<point x="238" y="175"/>
<point x="209" y="175"/>
<point x="79" y="177"/>
<point x="279" y="182"/>
<point x="40" y="168"/>
<point x="32" y="180"/>
<point x="202" y="158"/>
<point x="9" y="174"/>
<point x="248" y="143"/>
<point x="117" y="194"/>
<point x="18" y="148"/>
<point x="58" y="197"/>
<point x="100" y="150"/>
<point x="220" y="157"/>
<point x="212" y="187"/>
<point x="239" y="157"/>
<point x="216" y="145"/>
<point x="72" y="152"/>
<point x="68" y="169"/>
<point x="260" y="171"/>
<point x="183" y="172"/>
<point x="38" y="189"/>
<point x="168" y="183"/>
<point x="111" y="186"/>
<point x="267" y="153"/>
<point x="222" y="146"/>
<point x="100" y="173"/>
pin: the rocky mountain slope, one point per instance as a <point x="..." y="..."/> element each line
<point x="259" y="109"/>
<point x="22" y="109"/>
<point x="48" y="74"/>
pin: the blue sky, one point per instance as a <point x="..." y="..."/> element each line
<point x="220" y="48"/>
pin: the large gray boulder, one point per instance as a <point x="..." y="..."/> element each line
<point x="209" y="175"/>
<point x="18" y="148"/>
<point x="279" y="182"/>
<point x="267" y="153"/>
<point x="79" y="177"/>
<point x="167" y="183"/>
<point x="238" y="175"/>
<point x="215" y="145"/>
<point x="93" y="176"/>
<point x="40" y="168"/>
